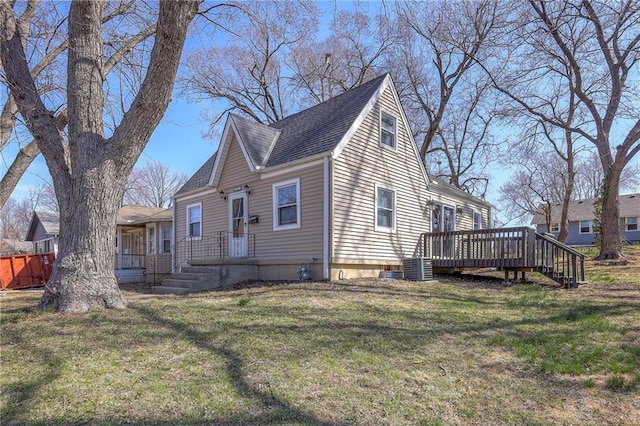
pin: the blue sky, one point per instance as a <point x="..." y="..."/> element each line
<point x="179" y="139"/>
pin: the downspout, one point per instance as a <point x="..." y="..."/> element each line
<point x="173" y="235"/>
<point x="326" y="228"/>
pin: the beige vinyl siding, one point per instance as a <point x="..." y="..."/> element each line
<point x="363" y="164"/>
<point x="292" y="246"/>
<point x="464" y="220"/>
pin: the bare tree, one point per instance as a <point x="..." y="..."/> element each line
<point x="589" y="177"/>
<point x="446" y="93"/>
<point x="588" y="50"/>
<point x="353" y="53"/>
<point x="89" y="173"/>
<point x="46" y="42"/>
<point x="15" y="217"/>
<point x="539" y="184"/>
<point x="249" y="74"/>
<point x="153" y="185"/>
<point x="273" y="62"/>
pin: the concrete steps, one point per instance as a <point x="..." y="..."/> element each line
<point x="204" y="276"/>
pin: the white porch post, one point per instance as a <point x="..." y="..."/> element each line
<point x="119" y="248"/>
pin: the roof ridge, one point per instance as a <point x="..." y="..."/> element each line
<point x="333" y="99"/>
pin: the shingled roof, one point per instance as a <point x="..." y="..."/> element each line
<point x="199" y="178"/>
<point x="583" y="209"/>
<point x="132" y="214"/>
<point x="50" y="222"/>
<point x="127" y="215"/>
<point x="310" y="132"/>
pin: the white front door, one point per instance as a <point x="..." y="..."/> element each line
<point x="238" y="225"/>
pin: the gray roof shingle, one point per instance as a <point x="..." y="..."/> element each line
<point x="583" y="209"/>
<point x="200" y="178"/>
<point x="50" y="221"/>
<point x="320" y="128"/>
<point x="315" y="130"/>
<point x="258" y="138"/>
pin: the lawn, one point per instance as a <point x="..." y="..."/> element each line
<point x="459" y="351"/>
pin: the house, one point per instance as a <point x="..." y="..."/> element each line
<point x="43" y="232"/>
<point x="339" y="187"/>
<point x="581" y="220"/>
<point x="143" y="241"/>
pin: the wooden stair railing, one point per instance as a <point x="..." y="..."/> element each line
<point x="508" y="249"/>
<point x="559" y="262"/>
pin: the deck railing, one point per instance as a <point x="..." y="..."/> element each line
<point x="480" y="248"/>
<point x="504" y="248"/>
<point x="214" y="247"/>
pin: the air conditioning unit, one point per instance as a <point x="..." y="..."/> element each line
<point x="417" y="269"/>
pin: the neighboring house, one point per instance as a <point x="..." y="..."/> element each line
<point x="340" y="186"/>
<point x="581" y="220"/>
<point x="143" y="241"/>
<point x="43" y="232"/>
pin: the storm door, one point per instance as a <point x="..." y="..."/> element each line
<point x="238" y="225"/>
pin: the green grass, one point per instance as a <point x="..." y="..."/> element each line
<point x="355" y="352"/>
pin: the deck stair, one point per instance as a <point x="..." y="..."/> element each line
<point x="518" y="249"/>
<point x="559" y="262"/>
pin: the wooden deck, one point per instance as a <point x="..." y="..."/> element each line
<point x="507" y="249"/>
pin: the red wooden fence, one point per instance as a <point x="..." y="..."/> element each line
<point x="25" y="270"/>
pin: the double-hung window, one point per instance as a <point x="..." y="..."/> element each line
<point x="165" y="238"/>
<point x="385" y="209"/>
<point x="387" y="130"/>
<point x="194" y="221"/>
<point x="151" y="240"/>
<point x="555" y="227"/>
<point x="585" y="227"/>
<point x="631" y="223"/>
<point x="286" y="205"/>
<point x="477" y="220"/>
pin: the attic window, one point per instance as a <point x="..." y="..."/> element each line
<point x="387" y="130"/>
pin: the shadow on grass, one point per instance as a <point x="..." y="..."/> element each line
<point x="276" y="409"/>
<point x="17" y="396"/>
<point x="364" y="325"/>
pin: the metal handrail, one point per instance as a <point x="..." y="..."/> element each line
<point x="211" y="247"/>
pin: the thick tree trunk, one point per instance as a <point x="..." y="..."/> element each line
<point x="610" y="241"/>
<point x="89" y="174"/>
<point x="84" y="275"/>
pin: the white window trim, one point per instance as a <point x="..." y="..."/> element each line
<point x="162" y="238"/>
<point x="479" y="215"/>
<point x="155" y="240"/>
<point x="395" y="131"/>
<point x="555" y="227"/>
<point x="190" y="206"/>
<point x="274" y="191"/>
<point x="626" y="224"/>
<point x="377" y="227"/>
<point x="580" y="227"/>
